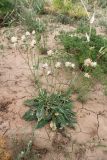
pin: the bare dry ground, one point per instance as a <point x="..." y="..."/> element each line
<point x="89" y="139"/>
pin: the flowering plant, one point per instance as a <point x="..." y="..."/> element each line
<point x="52" y="105"/>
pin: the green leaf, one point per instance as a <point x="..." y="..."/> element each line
<point x="68" y="92"/>
<point x="41" y="123"/>
<point x="29" y="116"/>
<point x="45" y="107"/>
<point x="30" y="102"/>
<point x="61" y="120"/>
<point x="40" y="112"/>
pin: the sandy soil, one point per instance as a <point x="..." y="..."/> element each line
<point x="89" y="139"/>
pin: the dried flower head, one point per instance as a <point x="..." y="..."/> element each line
<point x="33" y="42"/>
<point x="50" y="53"/>
<point x="14" y="39"/>
<point x="94" y="64"/>
<point x="23" y="38"/>
<point x="49" y="73"/>
<point x="27" y="33"/>
<point x="73" y="65"/>
<point x="87" y="62"/>
<point x="87" y="75"/>
<point x="45" y="65"/>
<point x="33" y="32"/>
<point x="58" y="65"/>
<point x="68" y="64"/>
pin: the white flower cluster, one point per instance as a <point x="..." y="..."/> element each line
<point x="87" y="75"/>
<point x="14" y="40"/>
<point x="23" y="38"/>
<point x="27" y="33"/>
<point x="58" y="65"/>
<point x="46" y="66"/>
<point x="50" y="53"/>
<point x="88" y="62"/>
<point x="69" y="64"/>
<point x="33" y="42"/>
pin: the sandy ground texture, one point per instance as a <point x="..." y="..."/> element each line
<point x="87" y="142"/>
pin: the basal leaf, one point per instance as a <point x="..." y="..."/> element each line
<point x="41" y="123"/>
<point x="56" y="107"/>
<point x="30" y="102"/>
<point x="29" y="116"/>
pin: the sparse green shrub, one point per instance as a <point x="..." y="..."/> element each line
<point x="83" y="27"/>
<point x="26" y="11"/>
<point x="83" y="50"/>
<point x="76" y="43"/>
<point x="64" y="19"/>
<point x="102" y="3"/>
<point x="82" y="87"/>
<point x="7" y="11"/>
<point x="103" y="23"/>
<point x="29" y="18"/>
<point x="5" y="7"/>
<point x="54" y="108"/>
<point x="24" y="149"/>
<point x="77" y="11"/>
<point x="63" y="6"/>
<point x="25" y="153"/>
<point x="70" y="8"/>
<point x="41" y="43"/>
<point x="38" y="6"/>
<point x="58" y="4"/>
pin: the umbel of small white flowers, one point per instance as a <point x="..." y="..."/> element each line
<point x="50" y="53"/>
<point x="14" y="39"/>
<point x="45" y="66"/>
<point x="58" y="65"/>
<point x="33" y="32"/>
<point x="27" y="33"/>
<point x="33" y="42"/>
<point x="49" y="73"/>
<point x="23" y="38"/>
<point x="88" y="62"/>
<point x="87" y="75"/>
<point x="69" y="64"/>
